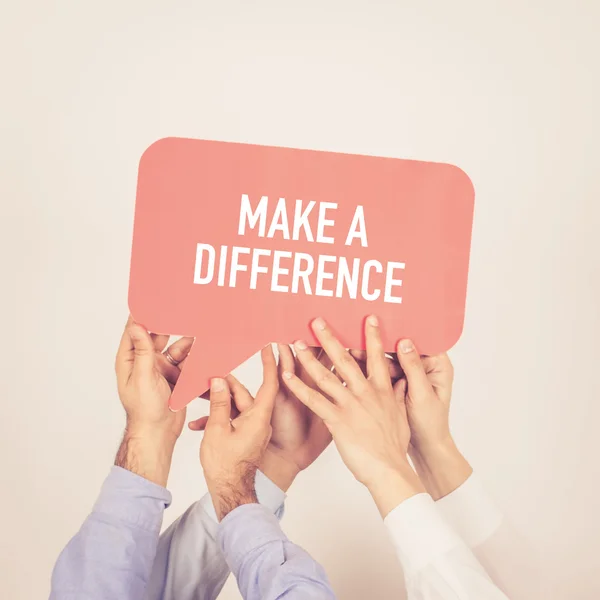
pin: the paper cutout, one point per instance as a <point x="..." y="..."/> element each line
<point x="308" y="234"/>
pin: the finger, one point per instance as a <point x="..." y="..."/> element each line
<point x="359" y="355"/>
<point x="286" y="359"/>
<point x="143" y="349"/>
<point x="198" y="424"/>
<point x="220" y="403"/>
<point x="265" y="397"/>
<point x="400" y="388"/>
<point x="241" y="396"/>
<point x="125" y="356"/>
<point x="396" y="372"/>
<point x="160" y="341"/>
<point x="344" y="364"/>
<point x="168" y="371"/>
<point x="311" y="398"/>
<point x="180" y="349"/>
<point x="411" y="364"/>
<point x="440" y="374"/>
<point x="377" y="366"/>
<point x="325" y="380"/>
<point x="394" y="367"/>
<point x="321" y="356"/>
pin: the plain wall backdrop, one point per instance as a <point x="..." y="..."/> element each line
<point x="509" y="91"/>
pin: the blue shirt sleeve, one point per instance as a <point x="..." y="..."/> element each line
<point x="188" y="563"/>
<point x="265" y="563"/>
<point x="112" y="554"/>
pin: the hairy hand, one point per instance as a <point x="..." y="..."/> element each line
<point x="145" y="378"/>
<point x="233" y="446"/>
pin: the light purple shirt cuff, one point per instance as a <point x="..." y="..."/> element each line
<point x="133" y="500"/>
<point x="265" y="563"/>
<point x="245" y="529"/>
<point x="111" y="555"/>
<point x="267" y="493"/>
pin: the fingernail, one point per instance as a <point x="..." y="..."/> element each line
<point x="287" y="375"/>
<point x="217" y="384"/>
<point x="319" y="324"/>
<point x="300" y="345"/>
<point x="372" y="320"/>
<point x="406" y="346"/>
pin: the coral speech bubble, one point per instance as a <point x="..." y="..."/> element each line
<point x="241" y="245"/>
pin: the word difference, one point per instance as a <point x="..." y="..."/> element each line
<point x="298" y="272"/>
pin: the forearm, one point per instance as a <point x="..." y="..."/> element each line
<point x="112" y="554"/>
<point x="146" y="452"/>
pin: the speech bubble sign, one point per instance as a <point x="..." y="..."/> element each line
<point x="241" y="245"/>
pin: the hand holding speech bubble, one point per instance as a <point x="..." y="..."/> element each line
<point x="241" y="245"/>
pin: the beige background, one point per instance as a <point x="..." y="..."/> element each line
<point x="507" y="90"/>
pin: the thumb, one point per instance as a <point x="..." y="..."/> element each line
<point x="411" y="364"/>
<point x="220" y="403"/>
<point x="143" y="349"/>
<point x="265" y="397"/>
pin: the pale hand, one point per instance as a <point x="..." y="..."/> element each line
<point x="366" y="417"/>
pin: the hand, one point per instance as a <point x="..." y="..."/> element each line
<point x="299" y="436"/>
<point x="440" y="465"/>
<point x="145" y="378"/>
<point x="233" y="446"/>
<point x="366" y="417"/>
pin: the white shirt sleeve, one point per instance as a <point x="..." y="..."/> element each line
<point x="189" y="564"/>
<point x="437" y="563"/>
<point x="505" y="555"/>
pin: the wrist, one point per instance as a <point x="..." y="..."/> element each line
<point x="227" y="493"/>
<point x="280" y="471"/>
<point x="151" y="429"/>
<point x="147" y="453"/>
<point x="391" y="488"/>
<point x="440" y="466"/>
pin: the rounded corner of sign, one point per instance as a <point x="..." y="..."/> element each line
<point x="454" y="338"/>
<point x="463" y="176"/>
<point x="155" y="147"/>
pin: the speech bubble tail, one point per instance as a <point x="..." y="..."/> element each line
<point x="200" y="365"/>
<point x="188" y="386"/>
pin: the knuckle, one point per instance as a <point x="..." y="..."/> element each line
<point x="218" y="402"/>
<point x="346" y="359"/>
<point x="141" y="352"/>
<point x="326" y="379"/>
